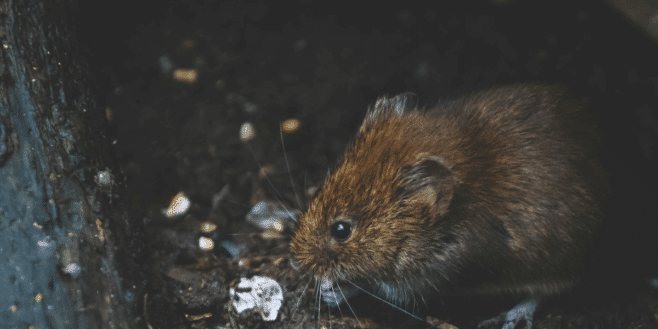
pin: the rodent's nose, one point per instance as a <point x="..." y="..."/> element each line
<point x="326" y="284"/>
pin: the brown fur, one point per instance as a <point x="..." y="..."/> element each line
<point x="498" y="192"/>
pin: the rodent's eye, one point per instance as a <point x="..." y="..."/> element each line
<point x="341" y="230"/>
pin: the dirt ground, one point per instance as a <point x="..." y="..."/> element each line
<point x="183" y="78"/>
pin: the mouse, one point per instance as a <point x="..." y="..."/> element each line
<point x="497" y="193"/>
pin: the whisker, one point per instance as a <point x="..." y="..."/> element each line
<point x="285" y="157"/>
<point x="236" y="202"/>
<point x="268" y="252"/>
<point x="387" y="302"/>
<point x="220" y="197"/>
<point x="305" y="186"/>
<point x="415" y="308"/>
<point x="329" y="315"/>
<point x="270" y="182"/>
<point x="348" y="304"/>
<point x="339" y="310"/>
<point x="299" y="300"/>
<point x="317" y="299"/>
<point x="300" y="279"/>
<point x="242" y="234"/>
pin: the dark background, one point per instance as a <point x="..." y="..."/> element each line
<point x="323" y="63"/>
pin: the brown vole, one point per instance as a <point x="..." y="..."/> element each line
<point x="495" y="193"/>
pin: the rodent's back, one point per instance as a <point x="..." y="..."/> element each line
<point x="500" y="192"/>
<point x="538" y="175"/>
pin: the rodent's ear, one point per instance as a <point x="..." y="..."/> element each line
<point x="385" y="107"/>
<point x="428" y="183"/>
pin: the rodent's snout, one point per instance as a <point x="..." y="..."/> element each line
<point x="333" y="293"/>
<point x="329" y="293"/>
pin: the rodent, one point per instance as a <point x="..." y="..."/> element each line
<point x="499" y="192"/>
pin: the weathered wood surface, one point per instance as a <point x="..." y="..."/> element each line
<point x="70" y="247"/>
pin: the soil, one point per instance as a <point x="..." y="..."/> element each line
<point x="322" y="64"/>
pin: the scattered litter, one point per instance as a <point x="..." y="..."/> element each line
<point x="206" y="243"/>
<point x="247" y="132"/>
<point x="178" y="206"/>
<point x="46" y="247"/>
<point x="104" y="178"/>
<point x="272" y="235"/>
<point x="73" y="269"/>
<point x="268" y="216"/>
<point x="208" y="227"/>
<point x="259" y="292"/>
<point x="198" y="317"/>
<point x="166" y="64"/>
<point x="234" y="250"/>
<point x="290" y="126"/>
<point x="185" y="75"/>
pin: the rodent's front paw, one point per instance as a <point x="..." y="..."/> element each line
<point x="524" y="310"/>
